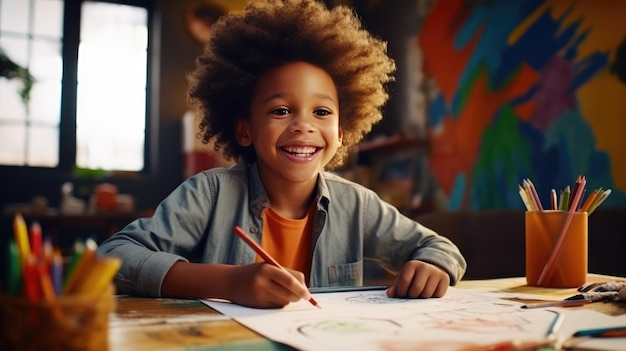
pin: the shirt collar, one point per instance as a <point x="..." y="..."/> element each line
<point x="259" y="200"/>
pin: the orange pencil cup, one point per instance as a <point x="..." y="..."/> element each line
<point x="542" y="230"/>
<point x="70" y="323"/>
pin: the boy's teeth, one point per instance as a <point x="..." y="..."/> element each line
<point x="300" y="150"/>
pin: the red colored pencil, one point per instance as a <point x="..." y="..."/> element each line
<point x="266" y="257"/>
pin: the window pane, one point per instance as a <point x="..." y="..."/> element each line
<point x="12" y="138"/>
<point x="45" y="103"/>
<point x="31" y="37"/>
<point x="112" y="58"/>
<point x="13" y="108"/>
<point x="43" y="146"/>
<point x="48" y="19"/>
<point x="46" y="62"/>
<point x="14" y="16"/>
<point x="47" y="67"/>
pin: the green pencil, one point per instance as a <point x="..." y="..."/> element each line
<point x="565" y="203"/>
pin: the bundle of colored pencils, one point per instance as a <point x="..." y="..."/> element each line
<point x="36" y="269"/>
<point x="569" y="202"/>
<point x="569" y="199"/>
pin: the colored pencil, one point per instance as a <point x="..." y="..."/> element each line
<point x="553" y="200"/>
<point x="548" y="269"/>
<point x="83" y="266"/>
<point x="36" y="241"/>
<point x="527" y="203"/>
<point x="14" y="271"/>
<point x="566" y="195"/>
<point x="267" y="258"/>
<point x="21" y="236"/>
<point x="599" y="199"/>
<point x="590" y="200"/>
<point x="530" y="188"/>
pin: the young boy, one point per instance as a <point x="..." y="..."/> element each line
<point x="285" y="88"/>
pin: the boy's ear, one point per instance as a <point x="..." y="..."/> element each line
<point x="340" y="136"/>
<point x="242" y="133"/>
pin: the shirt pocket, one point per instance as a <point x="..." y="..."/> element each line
<point x="346" y="274"/>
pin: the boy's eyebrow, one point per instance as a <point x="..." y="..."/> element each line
<point x="282" y="94"/>
<point x="325" y="97"/>
<point x="274" y="96"/>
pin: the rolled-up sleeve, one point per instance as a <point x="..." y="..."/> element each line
<point x="393" y="239"/>
<point x="149" y="247"/>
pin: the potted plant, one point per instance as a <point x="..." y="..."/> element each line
<point x="11" y="70"/>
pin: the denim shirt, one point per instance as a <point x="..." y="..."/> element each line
<point x="195" y="224"/>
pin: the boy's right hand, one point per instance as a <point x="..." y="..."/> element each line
<point x="262" y="285"/>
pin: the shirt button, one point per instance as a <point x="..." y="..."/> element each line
<point x="253" y="230"/>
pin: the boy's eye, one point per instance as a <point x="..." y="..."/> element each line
<point x="322" y="112"/>
<point x="280" y="111"/>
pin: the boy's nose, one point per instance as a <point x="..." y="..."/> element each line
<point x="302" y="123"/>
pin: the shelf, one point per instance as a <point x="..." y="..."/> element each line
<point x="387" y="143"/>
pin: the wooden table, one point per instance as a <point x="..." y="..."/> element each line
<point x="178" y="324"/>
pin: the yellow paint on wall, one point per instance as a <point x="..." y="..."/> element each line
<point x="601" y="99"/>
<point x="603" y="19"/>
<point x="602" y="102"/>
<point x="519" y="31"/>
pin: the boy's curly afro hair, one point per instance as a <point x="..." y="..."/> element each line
<point x="270" y="33"/>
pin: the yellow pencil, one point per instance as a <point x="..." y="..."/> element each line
<point x="525" y="200"/>
<point x="100" y="276"/>
<point x="82" y="268"/>
<point x="21" y="236"/>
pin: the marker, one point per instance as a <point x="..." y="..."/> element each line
<point x="553" y="330"/>
<point x="577" y="300"/>
<point x="594" y="295"/>
<point x="611" y="332"/>
<point x="269" y="259"/>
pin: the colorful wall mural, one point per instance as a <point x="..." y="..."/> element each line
<point x="524" y="89"/>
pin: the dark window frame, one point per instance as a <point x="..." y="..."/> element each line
<point x="67" y="123"/>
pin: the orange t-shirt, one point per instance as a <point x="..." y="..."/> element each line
<point x="288" y="240"/>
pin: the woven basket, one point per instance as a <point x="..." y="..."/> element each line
<point x="69" y="323"/>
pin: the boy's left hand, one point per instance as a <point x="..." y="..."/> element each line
<point x="418" y="279"/>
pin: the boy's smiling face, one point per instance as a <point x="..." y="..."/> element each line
<point x="293" y="123"/>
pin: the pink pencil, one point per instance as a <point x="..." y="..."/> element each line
<point x="546" y="273"/>
<point x="266" y="256"/>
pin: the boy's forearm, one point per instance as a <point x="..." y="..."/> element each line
<point x="197" y="280"/>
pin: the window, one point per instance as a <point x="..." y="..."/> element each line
<point x="87" y="107"/>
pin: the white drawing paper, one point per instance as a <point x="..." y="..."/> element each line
<point x="369" y="320"/>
